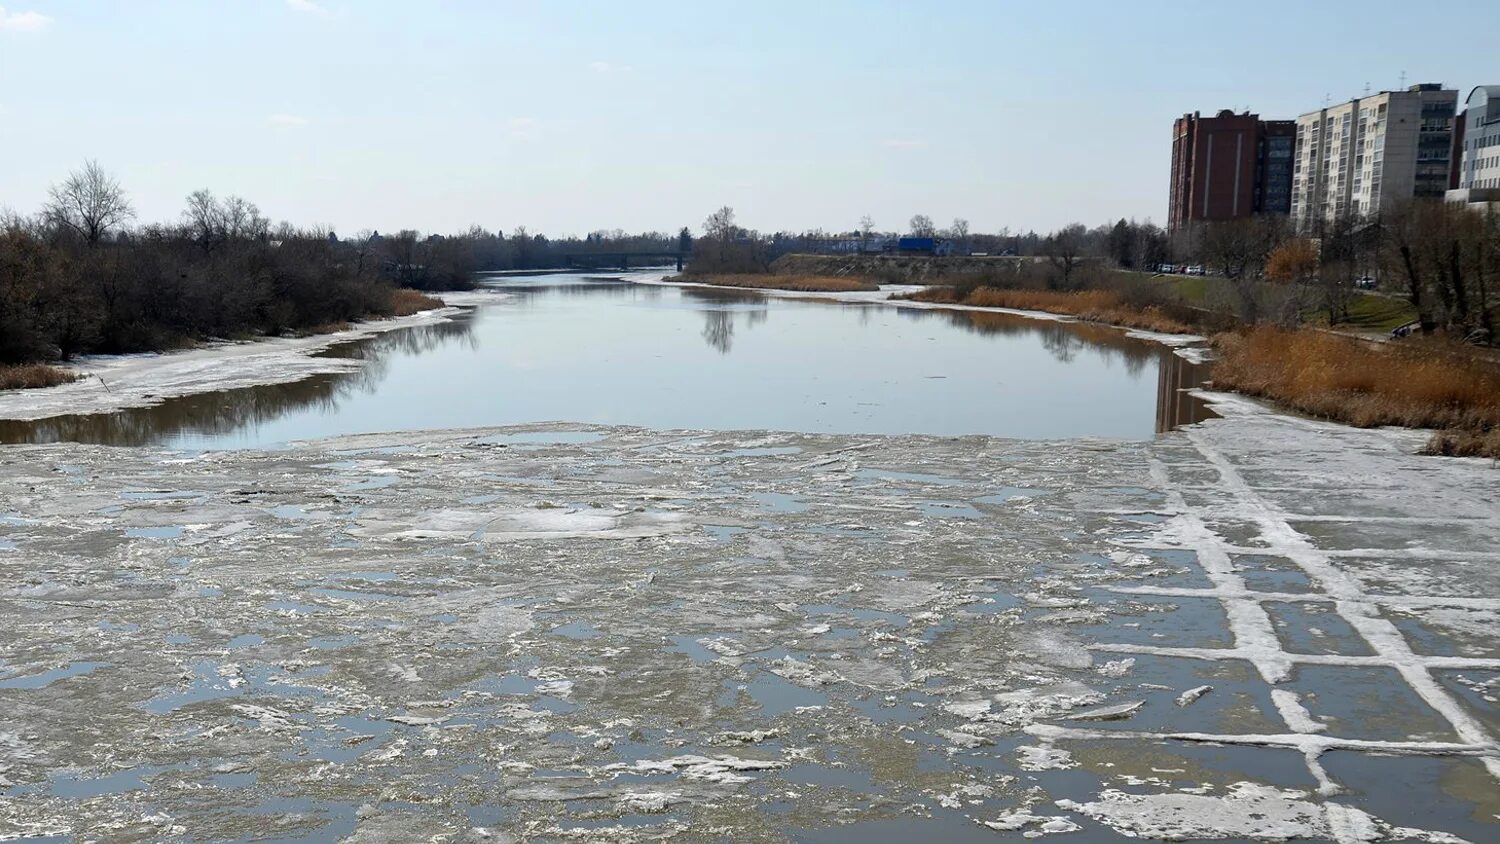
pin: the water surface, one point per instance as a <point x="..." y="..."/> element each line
<point x="607" y="350"/>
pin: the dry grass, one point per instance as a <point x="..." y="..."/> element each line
<point x="322" y="328"/>
<point x="1415" y="384"/>
<point x="30" y="376"/>
<point x="405" y="302"/>
<point x="1093" y="305"/>
<point x="806" y="283"/>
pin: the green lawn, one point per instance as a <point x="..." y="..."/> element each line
<point x="1369" y="312"/>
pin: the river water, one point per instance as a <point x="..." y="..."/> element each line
<point x="604" y="349"/>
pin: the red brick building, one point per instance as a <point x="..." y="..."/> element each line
<point x="1229" y="166"/>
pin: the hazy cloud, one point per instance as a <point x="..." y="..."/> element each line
<point x="607" y="67"/>
<point x="523" y="127"/>
<point x="287" y="120"/>
<point x="897" y="143"/>
<point x="22" y="21"/>
<point x="308" y="7"/>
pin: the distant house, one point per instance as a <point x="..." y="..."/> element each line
<point x="938" y="246"/>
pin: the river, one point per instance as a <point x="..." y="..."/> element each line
<point x="605" y="349"/>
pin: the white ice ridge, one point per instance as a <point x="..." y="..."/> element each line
<point x="1249" y="654"/>
<point x="1312" y="597"/>
<point x="1352" y="605"/>
<point x="1254" y="635"/>
<point x="1305" y="742"/>
<point x="1256" y="642"/>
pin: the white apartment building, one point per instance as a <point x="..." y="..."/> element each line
<point x="1365" y="155"/>
<point x="1479" y="153"/>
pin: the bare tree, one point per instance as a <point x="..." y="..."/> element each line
<point x="1294" y="264"/>
<point x="1063" y="249"/>
<point x="720" y="225"/>
<point x="88" y="203"/>
<point x="214" y="222"/>
<point x="921" y="226"/>
<point x="1238" y="249"/>
<point x="960" y="233"/>
<point x="866" y="229"/>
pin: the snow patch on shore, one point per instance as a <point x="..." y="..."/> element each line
<point x="117" y="382"/>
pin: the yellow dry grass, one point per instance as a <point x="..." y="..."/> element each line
<point x="807" y="283"/>
<point x="1415" y="384"/>
<point x="30" y="376"/>
<point x="1093" y="305"/>
<point x="405" y="302"/>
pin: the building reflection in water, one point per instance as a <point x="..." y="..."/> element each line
<point x="1176" y="378"/>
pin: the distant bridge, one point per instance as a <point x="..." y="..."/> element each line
<point x="620" y="260"/>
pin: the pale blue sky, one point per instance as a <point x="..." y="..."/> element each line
<point x="567" y="117"/>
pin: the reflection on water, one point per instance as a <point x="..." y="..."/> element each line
<point x="605" y="350"/>
<point x="209" y="416"/>
<point x="1176" y="377"/>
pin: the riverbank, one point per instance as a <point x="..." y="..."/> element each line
<point x="1103" y="306"/>
<point x="107" y="383"/>
<point x="1450" y="389"/>
<point x="778" y="281"/>
<point x="1413" y="383"/>
<point x="899" y="269"/>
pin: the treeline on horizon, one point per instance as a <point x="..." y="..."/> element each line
<point x="1441" y="259"/>
<point x="81" y="277"/>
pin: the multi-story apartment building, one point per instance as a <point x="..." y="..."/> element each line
<point x="1229" y="166"/>
<point x="1365" y="155"/>
<point x="1477" y="149"/>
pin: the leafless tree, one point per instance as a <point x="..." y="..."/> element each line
<point x="921" y="226"/>
<point x="1063" y="248"/>
<point x="720" y="225"/>
<point x="214" y="222"/>
<point x="960" y="234"/>
<point x="866" y="229"/>
<point x="88" y="203"/>
<point x="1238" y="250"/>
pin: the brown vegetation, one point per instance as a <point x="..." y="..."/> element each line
<point x="405" y="302"/>
<point x="809" y="283"/>
<point x="1357" y="382"/>
<point x="1105" y="306"/>
<point x="30" y="376"/>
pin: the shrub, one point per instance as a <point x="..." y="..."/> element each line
<point x="31" y="376"/>
<point x="1416" y="384"/>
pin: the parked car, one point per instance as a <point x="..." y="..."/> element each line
<point x="1365" y="282"/>
<point x="1195" y="269"/>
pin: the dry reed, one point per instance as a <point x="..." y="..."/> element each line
<point x="1414" y="384"/>
<point x="405" y="302"/>
<point x="806" y="283"/>
<point x="30" y="376"/>
<point x="1092" y="305"/>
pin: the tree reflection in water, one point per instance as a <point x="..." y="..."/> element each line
<point x="220" y="413"/>
<point x="720" y="307"/>
<point x="237" y="414"/>
<point x="1176" y="376"/>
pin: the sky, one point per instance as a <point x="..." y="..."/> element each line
<point x="569" y="117"/>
